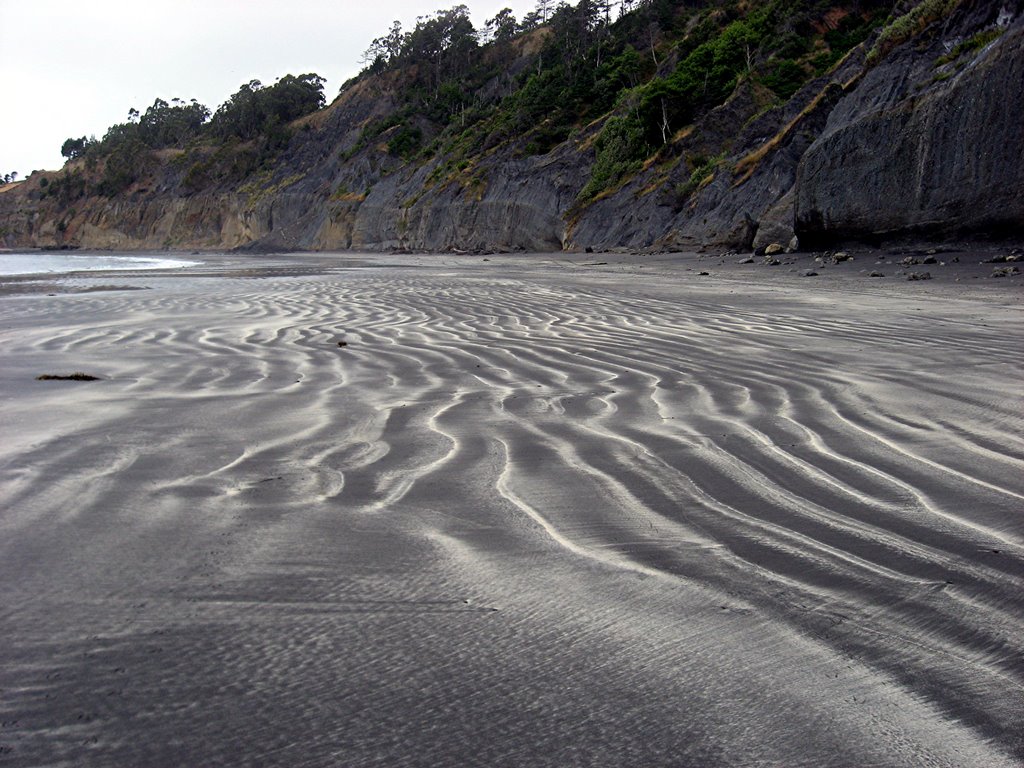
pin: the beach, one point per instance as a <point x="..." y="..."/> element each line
<point x="548" y="510"/>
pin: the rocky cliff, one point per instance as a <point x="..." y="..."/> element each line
<point x="916" y="131"/>
<point x="931" y="141"/>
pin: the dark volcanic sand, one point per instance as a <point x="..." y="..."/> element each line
<point x="532" y="513"/>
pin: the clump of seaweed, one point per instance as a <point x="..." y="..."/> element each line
<point x="77" y="376"/>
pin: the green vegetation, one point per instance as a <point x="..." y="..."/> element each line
<point x="262" y="186"/>
<point x="704" y="78"/>
<point x="68" y="186"/>
<point x="956" y="59"/>
<point x="256" y="111"/>
<point x="851" y="31"/>
<point x="628" y="79"/>
<point x="75" y="148"/>
<point x="777" y="43"/>
<point x="255" y="114"/>
<point x="785" y="77"/>
<point x="912" y="23"/>
<point x="703" y="173"/>
<point x="974" y="43"/>
<point x="621" y="149"/>
<point x="405" y="142"/>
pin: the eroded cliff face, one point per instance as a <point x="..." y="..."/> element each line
<point x="925" y="144"/>
<point x="925" y="140"/>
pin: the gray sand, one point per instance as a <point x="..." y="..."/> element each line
<point x="532" y="512"/>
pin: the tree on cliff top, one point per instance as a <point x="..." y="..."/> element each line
<point x="171" y="125"/>
<point x="503" y="26"/>
<point x="254" y="109"/>
<point x="74" y="148"/>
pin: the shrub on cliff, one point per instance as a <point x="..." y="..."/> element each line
<point x="621" y="149"/>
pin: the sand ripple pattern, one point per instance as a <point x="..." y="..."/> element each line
<point x="815" y="498"/>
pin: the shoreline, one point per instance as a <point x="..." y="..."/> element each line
<point x="969" y="267"/>
<point x="540" y="510"/>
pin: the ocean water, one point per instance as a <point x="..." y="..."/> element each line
<point x="63" y="263"/>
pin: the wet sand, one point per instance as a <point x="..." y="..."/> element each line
<point x="530" y="511"/>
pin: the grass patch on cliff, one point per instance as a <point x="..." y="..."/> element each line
<point x="909" y="25"/>
<point x="344" y="195"/>
<point x="746" y="166"/>
<point x="258" y="188"/>
<point x="703" y="173"/>
<point x="973" y="43"/>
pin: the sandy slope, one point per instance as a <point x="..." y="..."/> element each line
<point x="532" y="513"/>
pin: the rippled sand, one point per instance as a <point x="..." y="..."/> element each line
<point x="531" y="513"/>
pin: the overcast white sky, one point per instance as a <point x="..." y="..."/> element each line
<point x="73" y="68"/>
